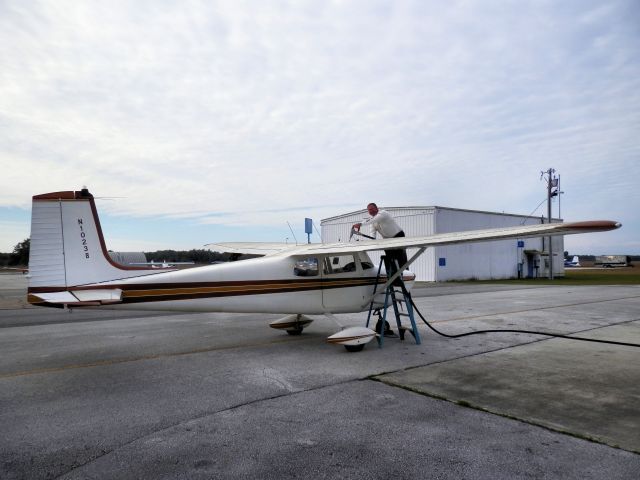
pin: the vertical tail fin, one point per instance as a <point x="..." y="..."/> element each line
<point x="67" y="245"/>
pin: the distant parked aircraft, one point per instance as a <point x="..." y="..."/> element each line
<point x="574" y="262"/>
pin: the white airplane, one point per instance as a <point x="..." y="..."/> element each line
<point x="574" y="262"/>
<point x="69" y="267"/>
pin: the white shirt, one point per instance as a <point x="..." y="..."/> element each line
<point x="384" y="224"/>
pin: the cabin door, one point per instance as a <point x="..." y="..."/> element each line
<point x="343" y="285"/>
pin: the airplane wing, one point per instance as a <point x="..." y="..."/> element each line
<point x="539" y="230"/>
<point x="469" y="236"/>
<point x="251" y="248"/>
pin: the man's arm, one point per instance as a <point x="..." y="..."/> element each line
<point x="368" y="221"/>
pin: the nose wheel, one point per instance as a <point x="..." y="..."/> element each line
<point x="387" y="332"/>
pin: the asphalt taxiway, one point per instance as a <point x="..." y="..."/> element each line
<point x="125" y="394"/>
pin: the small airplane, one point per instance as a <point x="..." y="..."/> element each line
<point x="69" y="267"/>
<point x="574" y="262"/>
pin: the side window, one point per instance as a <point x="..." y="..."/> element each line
<point x="306" y="267"/>
<point x="365" y="261"/>
<point x="339" y="264"/>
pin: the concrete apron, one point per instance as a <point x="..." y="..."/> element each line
<point x="590" y="390"/>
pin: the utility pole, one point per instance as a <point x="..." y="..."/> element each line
<point x="552" y="182"/>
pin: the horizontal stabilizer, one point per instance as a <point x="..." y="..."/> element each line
<point x="78" y="297"/>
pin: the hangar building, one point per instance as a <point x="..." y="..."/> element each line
<point x="511" y="258"/>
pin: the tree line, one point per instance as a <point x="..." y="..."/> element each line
<point x="19" y="257"/>
<point x="195" y="256"/>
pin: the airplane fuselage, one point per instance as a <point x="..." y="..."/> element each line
<point x="274" y="284"/>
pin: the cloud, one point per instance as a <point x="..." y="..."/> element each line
<point x="237" y="113"/>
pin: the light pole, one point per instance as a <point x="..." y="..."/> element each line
<point x="552" y="182"/>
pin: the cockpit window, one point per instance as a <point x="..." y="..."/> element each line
<point x="365" y="261"/>
<point x="339" y="264"/>
<point x="306" y="267"/>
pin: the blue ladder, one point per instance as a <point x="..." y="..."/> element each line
<point x="398" y="295"/>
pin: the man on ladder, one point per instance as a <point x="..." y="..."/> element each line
<point x="383" y="223"/>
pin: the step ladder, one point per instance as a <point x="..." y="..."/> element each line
<point x="396" y="296"/>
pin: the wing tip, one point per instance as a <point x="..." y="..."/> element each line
<point x="595" y="225"/>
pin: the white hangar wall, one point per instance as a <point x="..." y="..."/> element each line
<point x="482" y="261"/>
<point x="492" y="260"/>
<point x="415" y="221"/>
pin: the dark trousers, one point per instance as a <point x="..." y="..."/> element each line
<point x="391" y="256"/>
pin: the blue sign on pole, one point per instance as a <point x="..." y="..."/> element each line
<point x="520" y="243"/>
<point x="308" y="228"/>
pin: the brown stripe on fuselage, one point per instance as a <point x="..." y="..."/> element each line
<point x="137" y="293"/>
<point x="231" y="289"/>
<point x="284" y="283"/>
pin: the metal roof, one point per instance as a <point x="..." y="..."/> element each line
<point x="432" y="208"/>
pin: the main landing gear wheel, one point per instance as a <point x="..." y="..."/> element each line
<point x="295" y="331"/>
<point x="354" y="348"/>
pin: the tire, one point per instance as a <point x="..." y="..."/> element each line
<point x="295" y="331"/>
<point x="354" y="348"/>
<point x="387" y="327"/>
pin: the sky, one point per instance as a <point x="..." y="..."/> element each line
<point x="203" y="121"/>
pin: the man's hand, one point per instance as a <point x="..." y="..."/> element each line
<point x="356" y="226"/>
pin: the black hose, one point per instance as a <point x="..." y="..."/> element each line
<point x="611" y="342"/>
